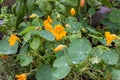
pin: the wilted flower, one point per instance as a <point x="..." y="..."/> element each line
<point x="3" y="57"/>
<point x="82" y="3"/>
<point x="58" y="15"/>
<point x="33" y="16"/>
<point x="21" y="76"/>
<point x="59" y="48"/>
<point x="72" y="11"/>
<point x="12" y="40"/>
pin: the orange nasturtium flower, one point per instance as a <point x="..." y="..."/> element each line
<point x="59" y="48"/>
<point x="49" y="19"/>
<point x="12" y="40"/>
<point x="21" y="76"/>
<point x="33" y="16"/>
<point x="48" y="27"/>
<point x="110" y="37"/>
<point x="72" y="11"/>
<point x="82" y="3"/>
<point x="47" y="24"/>
<point x="59" y="32"/>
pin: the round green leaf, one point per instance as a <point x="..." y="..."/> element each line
<point x="115" y="16"/>
<point x="61" y="67"/>
<point x="35" y="43"/>
<point x="116" y="75"/>
<point x="95" y="54"/>
<point x="35" y="22"/>
<point x="5" y="47"/>
<point x="26" y="37"/>
<point x="25" y="60"/>
<point x="91" y="11"/>
<point x="110" y="57"/>
<point x="44" y="73"/>
<point x="74" y="27"/>
<point x="69" y="20"/>
<point x="74" y="36"/>
<point x="61" y="72"/>
<point x="79" y="48"/>
<point x="47" y="35"/>
<point x="96" y="51"/>
<point x="61" y="61"/>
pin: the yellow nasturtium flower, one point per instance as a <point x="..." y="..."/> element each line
<point x="72" y="11"/>
<point x="59" y="32"/>
<point x="33" y="16"/>
<point x="21" y="76"/>
<point x="109" y="37"/>
<point x="12" y="40"/>
<point x="59" y="48"/>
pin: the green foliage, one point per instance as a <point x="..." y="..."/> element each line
<point x="106" y="3"/>
<point x="30" y="5"/>
<point x="114" y="16"/>
<point x="1" y="1"/>
<point x="71" y="3"/>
